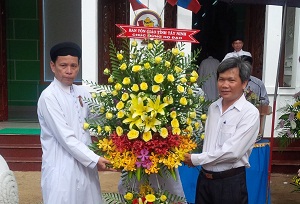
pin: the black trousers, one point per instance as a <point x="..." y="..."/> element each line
<point x="230" y="190"/>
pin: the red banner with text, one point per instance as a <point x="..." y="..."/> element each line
<point x="164" y="34"/>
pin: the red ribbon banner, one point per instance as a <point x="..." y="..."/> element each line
<point x="164" y="34"/>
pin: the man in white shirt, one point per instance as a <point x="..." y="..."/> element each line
<point x="69" y="167"/>
<point x="237" y="45"/>
<point x="230" y="131"/>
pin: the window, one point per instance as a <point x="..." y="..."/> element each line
<point x="61" y="22"/>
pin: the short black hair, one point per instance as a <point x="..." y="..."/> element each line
<point x="236" y="62"/>
<point x="237" y="37"/>
<point x="64" y="49"/>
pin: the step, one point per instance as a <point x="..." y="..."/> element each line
<point x="24" y="164"/>
<point x="21" y="150"/>
<point x="17" y="139"/>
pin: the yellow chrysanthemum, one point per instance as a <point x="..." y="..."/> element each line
<point x="99" y="129"/>
<point x="183" y="101"/>
<point x="86" y="126"/>
<point x="108" y="115"/>
<point x="106" y="71"/>
<point x="144" y="86"/>
<point x="155" y="88"/>
<point x="119" y="56"/>
<point x="103" y="94"/>
<point x="203" y="117"/>
<point x="188" y="121"/>
<point x="119" y="131"/>
<point x="128" y="196"/>
<point x="197" y="125"/>
<point x="133" y="134"/>
<point x="107" y="128"/>
<point x="150" y="46"/>
<point x="193" y="79"/>
<point x="174" y="123"/>
<point x="181" y="54"/>
<point x="118" y="86"/>
<point x="120" y="105"/>
<point x="157" y="59"/>
<point x="192" y="114"/>
<point x="194" y="74"/>
<point x="176" y="131"/>
<point x="123" y="66"/>
<point x="147" y="136"/>
<point x="124" y="96"/>
<point x="147" y="65"/>
<point x="183" y="80"/>
<point x="167" y="64"/>
<point x="156" y="42"/>
<point x="175" y="51"/>
<point x="102" y="109"/>
<point x="120" y="114"/>
<point x="135" y="88"/>
<point x="114" y="92"/>
<point x="171" y="77"/>
<point x="136" y="68"/>
<point x="150" y="198"/>
<point x="164" y="132"/>
<point x="134" y="43"/>
<point x="168" y="99"/>
<point x="298" y="115"/>
<point x="163" y="198"/>
<point x="159" y="78"/>
<point x="173" y="114"/>
<point x="190" y="91"/>
<point x="110" y="79"/>
<point x="180" y="89"/>
<point x="126" y="81"/>
<point x="177" y="69"/>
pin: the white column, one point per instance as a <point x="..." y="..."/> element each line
<point x="89" y="40"/>
<point x="184" y="21"/>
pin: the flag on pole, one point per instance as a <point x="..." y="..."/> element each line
<point x="172" y="2"/>
<point x="136" y="4"/>
<point x="192" y="5"/>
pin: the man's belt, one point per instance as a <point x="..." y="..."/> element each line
<point x="222" y="174"/>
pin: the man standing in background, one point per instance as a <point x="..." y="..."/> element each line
<point x="208" y="72"/>
<point x="237" y="45"/>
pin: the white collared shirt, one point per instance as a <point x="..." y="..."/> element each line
<point x="229" y="136"/>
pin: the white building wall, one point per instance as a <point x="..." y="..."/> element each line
<point x="184" y="20"/>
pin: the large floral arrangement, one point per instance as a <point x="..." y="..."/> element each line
<point x="289" y="122"/>
<point x="296" y="182"/>
<point x="149" y="115"/>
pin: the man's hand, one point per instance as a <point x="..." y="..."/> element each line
<point x="103" y="165"/>
<point x="187" y="160"/>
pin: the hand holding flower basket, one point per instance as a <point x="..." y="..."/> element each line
<point x="149" y="116"/>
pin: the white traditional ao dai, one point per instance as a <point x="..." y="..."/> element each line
<point x="69" y="172"/>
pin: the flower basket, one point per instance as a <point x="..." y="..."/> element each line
<point x="289" y="122"/>
<point x="149" y="115"/>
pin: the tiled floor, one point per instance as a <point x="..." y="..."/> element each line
<point x="19" y="124"/>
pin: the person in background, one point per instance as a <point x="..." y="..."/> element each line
<point x="208" y="72"/>
<point x="69" y="167"/>
<point x="231" y="129"/>
<point x="256" y="85"/>
<point x="237" y="45"/>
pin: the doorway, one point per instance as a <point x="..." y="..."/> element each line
<point x="219" y="23"/>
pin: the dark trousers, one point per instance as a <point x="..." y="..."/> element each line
<point x="229" y="190"/>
